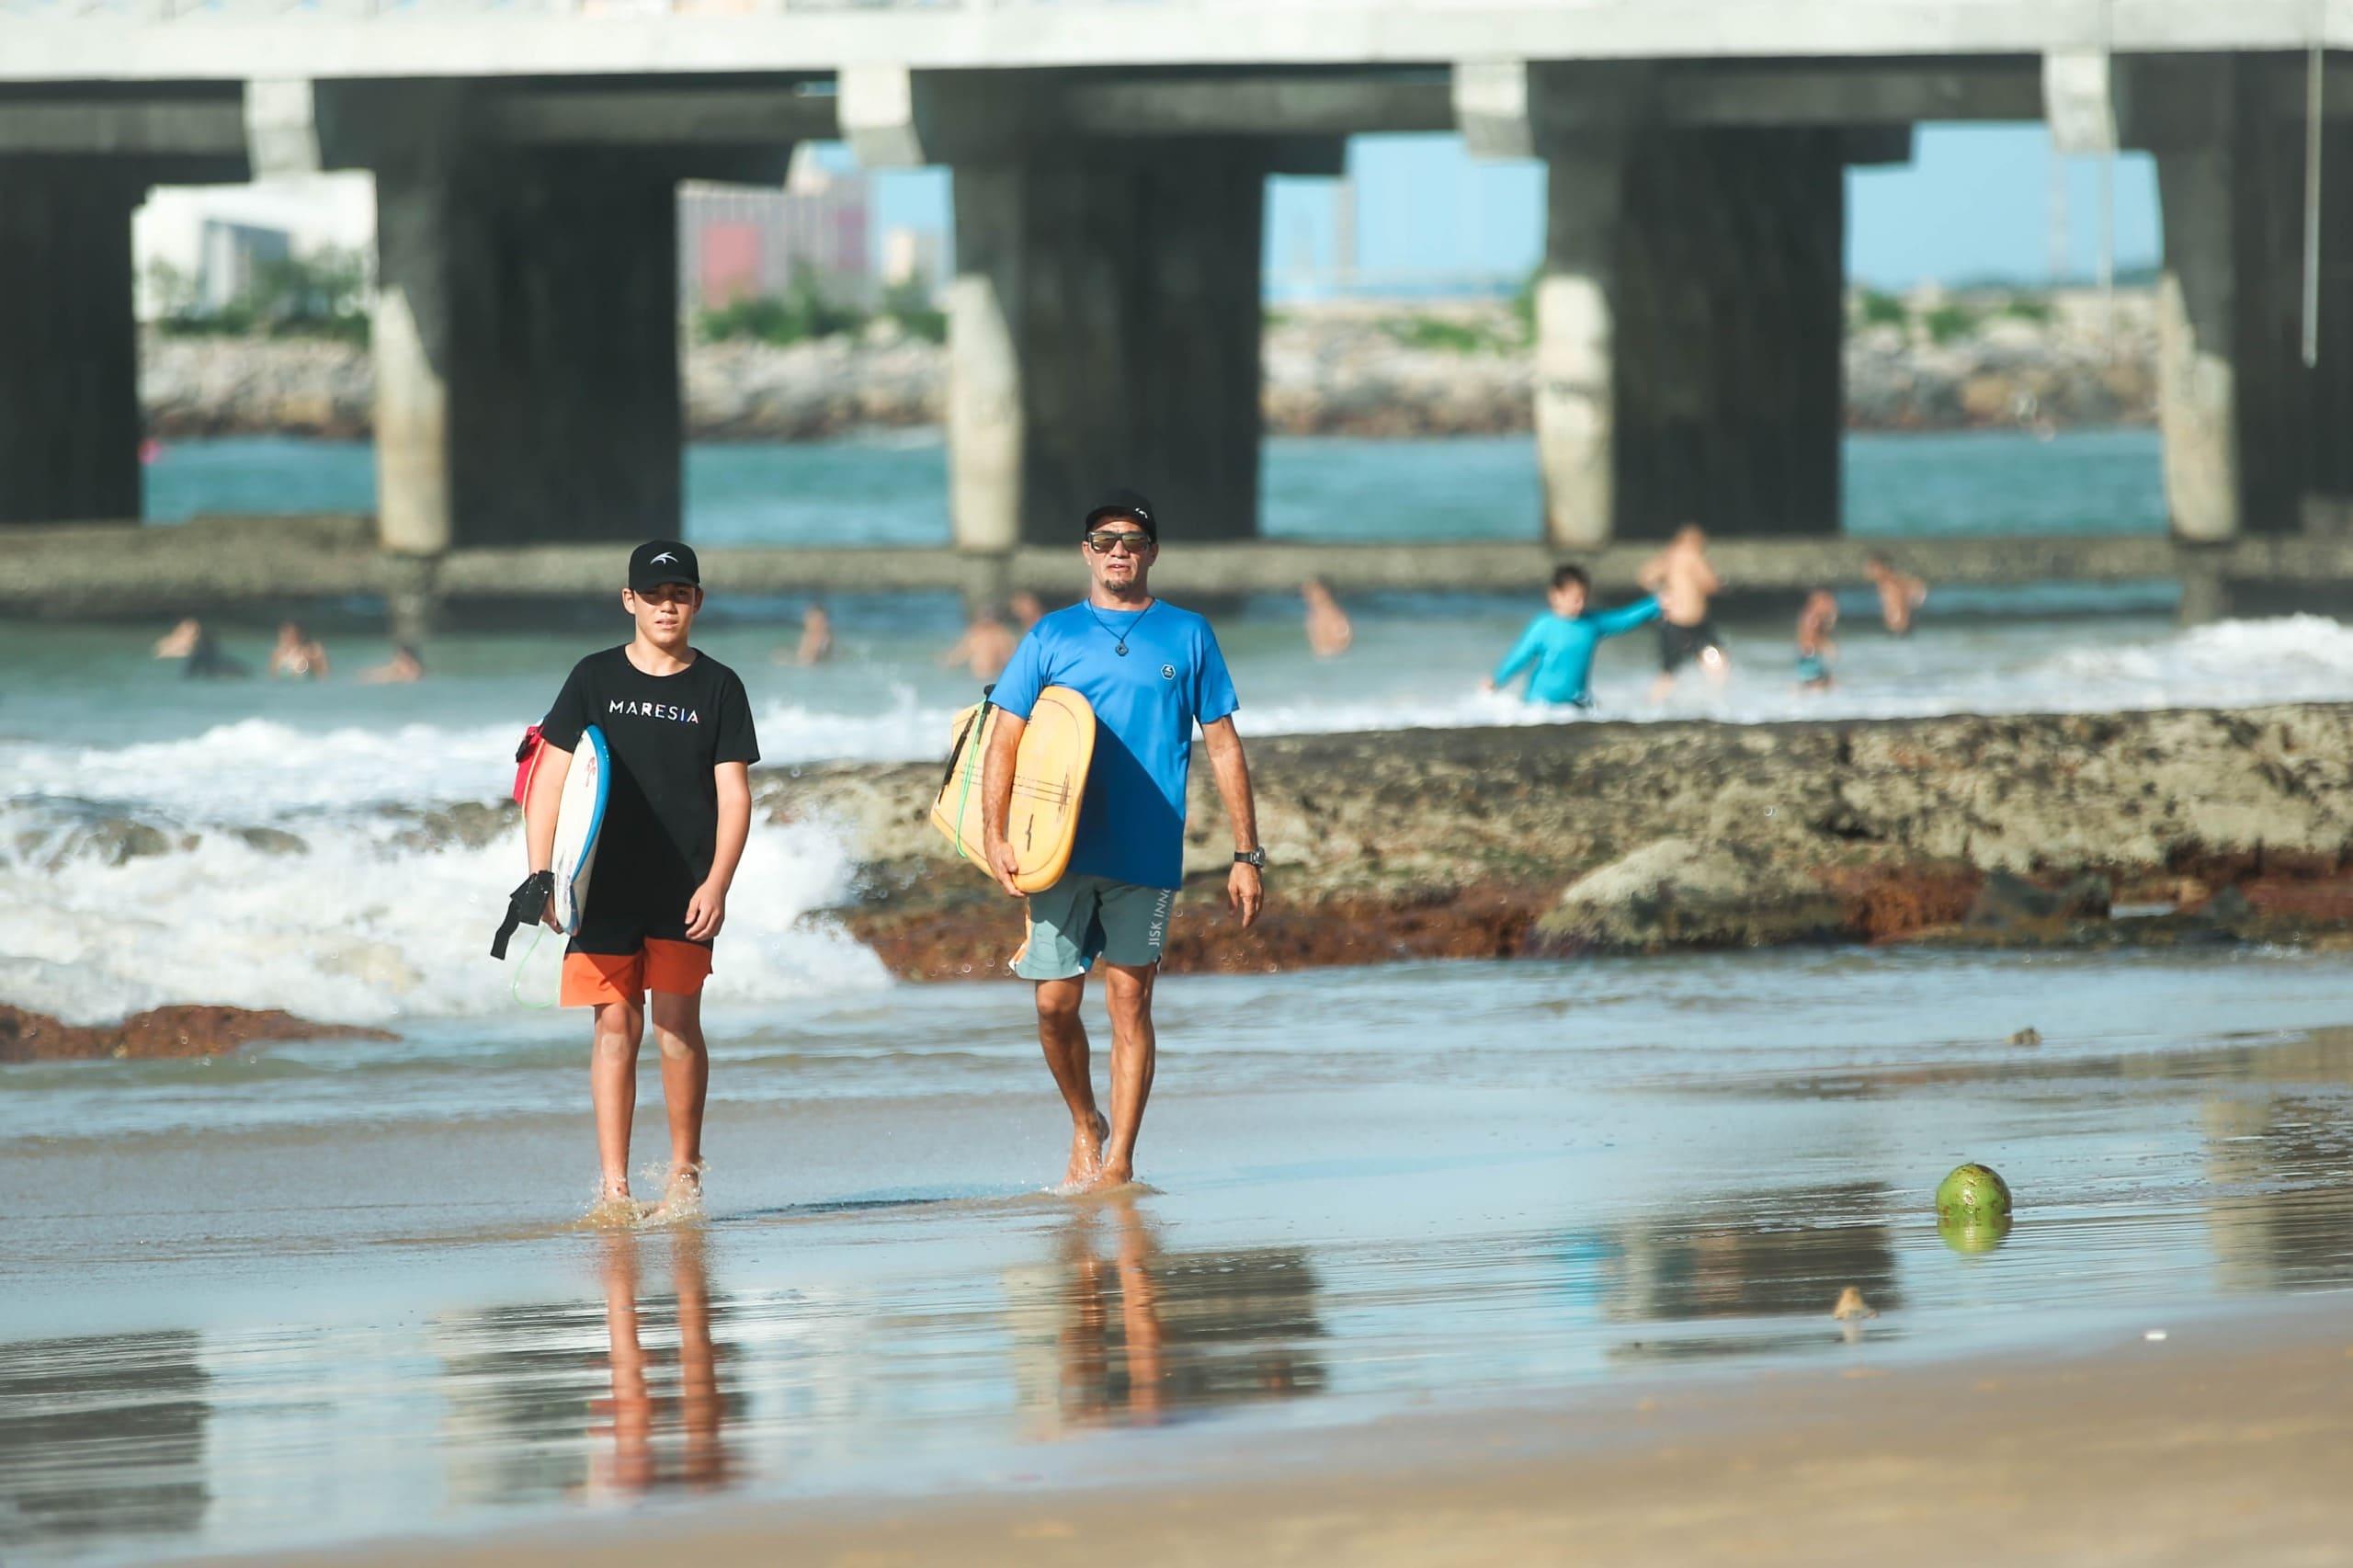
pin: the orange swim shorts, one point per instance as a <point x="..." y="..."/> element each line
<point x="592" y="979"/>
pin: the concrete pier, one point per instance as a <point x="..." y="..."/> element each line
<point x="1104" y="330"/>
<point x="1576" y="351"/>
<point x="269" y="564"/>
<point x="526" y="352"/>
<point x="69" y="349"/>
<point x="1688" y="323"/>
<point x="1731" y="323"/>
<point x="2255" y="438"/>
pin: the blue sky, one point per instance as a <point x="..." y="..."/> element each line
<point x="1974" y="202"/>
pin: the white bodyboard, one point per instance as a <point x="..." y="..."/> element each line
<point x="580" y="817"/>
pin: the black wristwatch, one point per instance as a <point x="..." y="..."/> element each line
<point x="1253" y="858"/>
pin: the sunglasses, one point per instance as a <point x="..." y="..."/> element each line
<point x="1102" y="541"/>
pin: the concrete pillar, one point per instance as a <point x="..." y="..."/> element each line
<point x="1730" y="331"/>
<point x="526" y="345"/>
<point x="1689" y="328"/>
<point x="2196" y="364"/>
<point x="69" y="343"/>
<point x="2295" y="459"/>
<point x="1575" y="372"/>
<point x="2254" y="437"/>
<point x="1103" y="331"/>
<point x="2205" y="591"/>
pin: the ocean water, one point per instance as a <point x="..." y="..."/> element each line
<point x="891" y="487"/>
<point x="375" y="915"/>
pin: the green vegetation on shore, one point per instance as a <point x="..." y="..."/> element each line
<point x="322" y="295"/>
<point x="803" y="314"/>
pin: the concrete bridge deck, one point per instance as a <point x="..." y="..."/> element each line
<point x="236" y="39"/>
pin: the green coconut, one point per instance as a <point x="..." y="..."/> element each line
<point x="1973" y="1194"/>
<point x="1969" y="1237"/>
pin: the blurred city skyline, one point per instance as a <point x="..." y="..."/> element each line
<point x="1975" y="204"/>
<point x="1416" y="215"/>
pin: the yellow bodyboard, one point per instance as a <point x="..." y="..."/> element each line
<point x="1048" y="782"/>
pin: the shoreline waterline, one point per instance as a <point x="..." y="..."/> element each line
<point x="1476" y="1190"/>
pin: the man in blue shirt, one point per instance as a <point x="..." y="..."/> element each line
<point x="1561" y="643"/>
<point x="1151" y="671"/>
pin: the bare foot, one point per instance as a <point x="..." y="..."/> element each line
<point x="681" y="1194"/>
<point x="614" y="1206"/>
<point x="1086" y="1153"/>
<point x="1111" y="1174"/>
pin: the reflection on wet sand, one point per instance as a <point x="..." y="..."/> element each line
<point x="2279" y="1147"/>
<point x="639" y="1418"/>
<point x="600" y="1399"/>
<point x="1790" y="1258"/>
<point x="102" y="1436"/>
<point x="1119" y="1331"/>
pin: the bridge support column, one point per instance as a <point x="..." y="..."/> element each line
<point x="1733" y="336"/>
<point x="1690" y="325"/>
<point x="1103" y="331"/>
<point x="69" y="343"/>
<point x="527" y="358"/>
<point x="1576" y="373"/>
<point x="2254" y="437"/>
<point x="2198" y="407"/>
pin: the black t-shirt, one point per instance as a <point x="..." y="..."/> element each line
<point x="667" y="733"/>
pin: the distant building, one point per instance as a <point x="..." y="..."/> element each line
<point x="228" y="256"/>
<point x="916" y="258"/>
<point x="743" y="242"/>
<point x="213" y="237"/>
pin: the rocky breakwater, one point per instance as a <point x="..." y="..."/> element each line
<point x="1931" y="361"/>
<point x="1381" y="370"/>
<point x="159" y="1033"/>
<point x="2077" y="830"/>
<point x="238" y="386"/>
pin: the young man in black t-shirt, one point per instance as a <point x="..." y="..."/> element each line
<point x="678" y="806"/>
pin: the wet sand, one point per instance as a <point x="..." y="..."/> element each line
<point x="1537" y="1257"/>
<point x="2228" y="1440"/>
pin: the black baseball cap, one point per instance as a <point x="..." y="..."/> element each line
<point x="1124" y="503"/>
<point x="660" y="560"/>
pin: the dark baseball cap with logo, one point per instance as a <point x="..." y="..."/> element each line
<point x="1124" y="503"/>
<point x="662" y="561"/>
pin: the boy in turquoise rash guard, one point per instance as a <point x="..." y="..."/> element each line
<point x="1561" y="643"/>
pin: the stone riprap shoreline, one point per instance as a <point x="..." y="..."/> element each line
<point x="1355" y="369"/>
<point x="2077" y="830"/>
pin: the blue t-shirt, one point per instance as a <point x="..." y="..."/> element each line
<point x="1131" y="819"/>
<point x="1562" y="649"/>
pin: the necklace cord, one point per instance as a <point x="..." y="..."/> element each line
<point x="1119" y="640"/>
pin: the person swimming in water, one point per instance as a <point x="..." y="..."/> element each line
<point x="985" y="648"/>
<point x="1559" y="645"/>
<point x="1815" y="649"/>
<point x="1684" y="580"/>
<point x="816" y="638"/>
<point x="1900" y="593"/>
<point x="199" y="651"/>
<point x="1329" y="635"/>
<point x="404" y="667"/>
<point x="298" y="653"/>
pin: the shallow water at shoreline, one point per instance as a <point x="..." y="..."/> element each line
<point x="350" y="1272"/>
